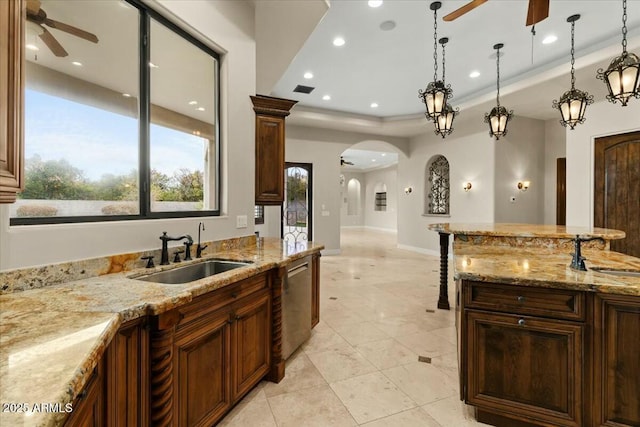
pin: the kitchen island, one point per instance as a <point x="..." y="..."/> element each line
<point x="118" y="351"/>
<point x="540" y="343"/>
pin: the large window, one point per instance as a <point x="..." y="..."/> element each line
<point x="121" y="118"/>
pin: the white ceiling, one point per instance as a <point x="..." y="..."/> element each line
<point x="366" y="160"/>
<point x="388" y="67"/>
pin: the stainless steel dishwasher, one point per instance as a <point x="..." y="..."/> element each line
<point x="296" y="306"/>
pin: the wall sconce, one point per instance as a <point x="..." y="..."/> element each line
<point x="523" y="185"/>
<point x="408" y="190"/>
<point x="467" y="186"/>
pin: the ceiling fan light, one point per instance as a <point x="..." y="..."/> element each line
<point x="622" y="78"/>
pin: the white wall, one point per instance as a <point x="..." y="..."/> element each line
<point x="386" y="220"/>
<point x="555" y="142"/>
<point x="230" y="25"/>
<point x="520" y="157"/>
<point x="603" y="118"/>
<point x="347" y="220"/>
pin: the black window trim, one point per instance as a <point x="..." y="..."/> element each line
<point x="144" y="201"/>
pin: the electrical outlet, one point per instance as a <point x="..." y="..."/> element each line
<point x="241" y="221"/>
<point x="325" y="213"/>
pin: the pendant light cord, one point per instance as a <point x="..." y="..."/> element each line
<point x="443" y="80"/>
<point x="624" y="27"/>
<point x="573" y="61"/>
<point x="435" y="45"/>
<point x="498" y="77"/>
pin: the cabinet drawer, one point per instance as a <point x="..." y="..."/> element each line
<point x="555" y="303"/>
<point x="219" y="298"/>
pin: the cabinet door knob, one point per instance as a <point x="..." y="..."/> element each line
<point x="521" y="298"/>
<point x="521" y="322"/>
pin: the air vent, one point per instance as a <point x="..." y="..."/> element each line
<point x="304" y="89"/>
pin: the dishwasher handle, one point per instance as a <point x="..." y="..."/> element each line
<point x="297" y="270"/>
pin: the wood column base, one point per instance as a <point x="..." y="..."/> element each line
<point x="276" y="374"/>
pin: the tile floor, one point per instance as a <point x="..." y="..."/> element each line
<point x="360" y="366"/>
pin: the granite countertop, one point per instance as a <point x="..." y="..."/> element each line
<point x="51" y="338"/>
<point x="546" y="267"/>
<point x="526" y="230"/>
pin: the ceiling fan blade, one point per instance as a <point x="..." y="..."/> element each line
<point x="52" y="43"/>
<point x="33" y="7"/>
<point x="538" y="11"/>
<point x="464" y="9"/>
<point x="71" y="30"/>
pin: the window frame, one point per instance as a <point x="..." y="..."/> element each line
<point x="145" y="14"/>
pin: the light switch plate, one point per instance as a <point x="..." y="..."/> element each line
<point x="241" y="221"/>
<point x="325" y="213"/>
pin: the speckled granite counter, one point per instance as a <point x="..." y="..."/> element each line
<point x="52" y="337"/>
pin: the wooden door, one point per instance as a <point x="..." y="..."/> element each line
<point x="528" y="368"/>
<point x="269" y="159"/>
<point x="89" y="407"/>
<point x="617" y="361"/>
<point x="202" y="387"/>
<point x="561" y="191"/>
<point x="11" y="99"/>
<point x="251" y="358"/>
<point x="617" y="189"/>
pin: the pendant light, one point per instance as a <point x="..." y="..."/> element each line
<point x="623" y="75"/>
<point x="436" y="94"/>
<point x="444" y="122"/>
<point x="499" y="116"/>
<point x="573" y="103"/>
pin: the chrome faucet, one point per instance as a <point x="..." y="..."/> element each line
<point x="577" y="262"/>
<point x="200" y="248"/>
<point x="164" y="258"/>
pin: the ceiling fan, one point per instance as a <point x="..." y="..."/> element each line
<point x="538" y="11"/>
<point x="37" y="16"/>
<point x="345" y="162"/>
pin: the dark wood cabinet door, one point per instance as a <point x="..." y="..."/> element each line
<point x="11" y="99"/>
<point x="526" y="368"/>
<point x="127" y="377"/>
<point x="251" y="357"/>
<point x="269" y="159"/>
<point x="617" y="361"/>
<point x="201" y="367"/>
<point x="89" y="407"/>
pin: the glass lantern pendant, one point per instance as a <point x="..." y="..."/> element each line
<point x="499" y="116"/>
<point x="573" y="103"/>
<point x="436" y="94"/>
<point x="623" y="75"/>
<point x="444" y="122"/>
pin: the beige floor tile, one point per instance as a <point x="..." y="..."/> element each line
<point x="359" y="333"/>
<point x="311" y="407"/>
<point x="336" y="365"/>
<point x="415" y="417"/>
<point x="300" y="373"/>
<point x="386" y="353"/>
<point x="422" y="382"/>
<point x="371" y="396"/>
<point x="447" y="363"/>
<point x="253" y="411"/>
<point x="324" y="340"/>
<point x="452" y="412"/>
<point x="343" y="318"/>
<point x="425" y="344"/>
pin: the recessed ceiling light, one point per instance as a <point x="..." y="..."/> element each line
<point x="474" y="74"/>
<point x="200" y="108"/>
<point x="374" y="105"/>
<point x="338" y="41"/>
<point x="308" y="75"/>
<point x="383" y="154"/>
<point x="126" y="95"/>
<point x="193" y="102"/>
<point x="375" y="3"/>
<point x="373" y="160"/>
<point x="77" y="64"/>
<point x="326" y="98"/>
<point x="32" y="47"/>
<point x="152" y="65"/>
<point x="549" y="39"/>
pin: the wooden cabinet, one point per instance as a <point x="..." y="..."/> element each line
<point x="89" y="406"/>
<point x="523" y="354"/>
<point x="270" y="142"/>
<point x="11" y="99"/>
<point x="315" y="289"/>
<point x="617" y="361"/>
<point x="206" y="355"/>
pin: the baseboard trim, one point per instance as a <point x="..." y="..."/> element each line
<point x="384" y="230"/>
<point x="423" y="251"/>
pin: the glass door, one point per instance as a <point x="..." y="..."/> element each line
<point x="297" y="207"/>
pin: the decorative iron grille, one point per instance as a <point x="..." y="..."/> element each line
<point x="438" y="197"/>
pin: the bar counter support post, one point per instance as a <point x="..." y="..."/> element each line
<point x="443" y="299"/>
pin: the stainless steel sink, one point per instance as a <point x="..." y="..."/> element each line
<point x="626" y="273"/>
<point x="193" y="272"/>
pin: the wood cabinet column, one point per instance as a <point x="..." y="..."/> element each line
<point x="277" y="361"/>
